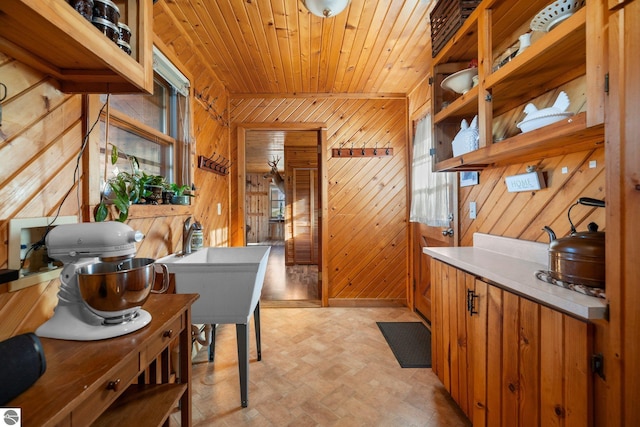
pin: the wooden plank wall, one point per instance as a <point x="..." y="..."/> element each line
<point x="40" y="137"/>
<point x="210" y="124"/>
<point x="522" y="215"/>
<point x="367" y="201"/>
<point x="39" y="142"/>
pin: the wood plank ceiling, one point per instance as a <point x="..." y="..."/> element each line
<point x="278" y="47"/>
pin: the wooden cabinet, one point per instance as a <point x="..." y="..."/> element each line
<point x="506" y="360"/>
<point x="52" y="37"/>
<point x="450" y="332"/>
<point x="621" y="384"/>
<point x="114" y="381"/>
<point x="571" y="54"/>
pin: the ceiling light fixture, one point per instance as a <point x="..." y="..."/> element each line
<point x="325" y="8"/>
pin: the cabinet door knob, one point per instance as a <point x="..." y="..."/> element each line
<point x="114" y="385"/>
<point x="167" y="334"/>
<point x="447" y="232"/>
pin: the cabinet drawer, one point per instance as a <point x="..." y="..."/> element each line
<point x="164" y="337"/>
<point x="109" y="390"/>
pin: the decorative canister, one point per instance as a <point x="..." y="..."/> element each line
<point x="106" y="9"/>
<point x="124" y="46"/>
<point x="197" y="240"/>
<point x="109" y="29"/>
<point x="125" y="32"/>
<point x="83" y="7"/>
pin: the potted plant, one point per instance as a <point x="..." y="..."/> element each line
<point x="126" y="188"/>
<point x="181" y="194"/>
<point x="152" y="187"/>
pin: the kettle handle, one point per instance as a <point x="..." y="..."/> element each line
<point x="588" y="201"/>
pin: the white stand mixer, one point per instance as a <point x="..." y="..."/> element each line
<point x="80" y="246"/>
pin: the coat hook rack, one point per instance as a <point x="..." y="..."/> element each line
<point x="362" y="152"/>
<point x="219" y="165"/>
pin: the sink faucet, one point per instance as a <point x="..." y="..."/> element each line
<point x="187" y="234"/>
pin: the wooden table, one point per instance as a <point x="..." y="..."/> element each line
<point x="120" y="380"/>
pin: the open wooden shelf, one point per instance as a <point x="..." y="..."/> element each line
<point x="465" y="106"/>
<point x="556" y="58"/>
<point x="563" y="137"/>
<point x="149" y="404"/>
<point x="52" y="37"/>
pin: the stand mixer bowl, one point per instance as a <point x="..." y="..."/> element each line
<point x="116" y="290"/>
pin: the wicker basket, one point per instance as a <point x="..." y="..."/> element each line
<point x="446" y="18"/>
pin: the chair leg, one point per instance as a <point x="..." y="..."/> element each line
<point x="242" y="336"/>
<point x="212" y="346"/>
<point x="256" y="320"/>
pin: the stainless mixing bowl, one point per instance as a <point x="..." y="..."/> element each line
<point x="117" y="289"/>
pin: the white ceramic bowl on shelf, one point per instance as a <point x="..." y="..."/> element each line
<point x="541" y="121"/>
<point x="554" y="14"/>
<point x="461" y="81"/>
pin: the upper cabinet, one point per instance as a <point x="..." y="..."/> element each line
<point x="566" y="58"/>
<point x="51" y="36"/>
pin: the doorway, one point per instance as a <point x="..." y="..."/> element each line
<point x="281" y="209"/>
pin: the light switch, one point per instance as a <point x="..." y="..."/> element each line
<point x="219" y="208"/>
<point x="592" y="164"/>
<point x="472" y="210"/>
<point x="565" y="170"/>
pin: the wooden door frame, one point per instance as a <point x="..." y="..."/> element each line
<point x="323" y="181"/>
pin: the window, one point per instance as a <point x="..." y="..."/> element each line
<point x="430" y="191"/>
<point x="276" y="198"/>
<point x="153" y="128"/>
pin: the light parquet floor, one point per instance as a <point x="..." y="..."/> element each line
<point x="320" y="367"/>
<point x="288" y="282"/>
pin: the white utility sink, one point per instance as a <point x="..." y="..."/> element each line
<point x="229" y="281"/>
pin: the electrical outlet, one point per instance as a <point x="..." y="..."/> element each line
<point x="472" y="210"/>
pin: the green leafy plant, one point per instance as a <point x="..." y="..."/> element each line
<point x="126" y="188"/>
<point x="180" y="190"/>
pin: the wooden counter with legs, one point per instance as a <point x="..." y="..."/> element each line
<point x="114" y="381"/>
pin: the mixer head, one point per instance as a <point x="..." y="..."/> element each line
<point x="106" y="240"/>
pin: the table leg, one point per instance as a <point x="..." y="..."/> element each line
<point x="212" y="346"/>
<point x="242" y="336"/>
<point x="256" y="320"/>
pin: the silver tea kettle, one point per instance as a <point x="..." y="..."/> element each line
<point x="580" y="257"/>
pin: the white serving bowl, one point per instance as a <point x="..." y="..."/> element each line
<point x="461" y="81"/>
<point x="554" y="14"/>
<point x="541" y="121"/>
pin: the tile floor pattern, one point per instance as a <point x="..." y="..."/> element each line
<point x="320" y="367"/>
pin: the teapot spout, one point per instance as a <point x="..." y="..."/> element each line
<point x="552" y="235"/>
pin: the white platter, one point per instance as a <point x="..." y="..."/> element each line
<point x="541" y="121"/>
<point x="554" y="14"/>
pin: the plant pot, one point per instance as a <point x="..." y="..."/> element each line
<point x="180" y="200"/>
<point x="156" y="194"/>
<point x="166" y="197"/>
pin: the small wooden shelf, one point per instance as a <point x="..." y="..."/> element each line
<point x="52" y="37"/>
<point x="553" y="60"/>
<point x="151" y="403"/>
<point x="567" y="136"/>
<point x="464" y="107"/>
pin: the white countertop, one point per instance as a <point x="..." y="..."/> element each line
<point x="512" y="264"/>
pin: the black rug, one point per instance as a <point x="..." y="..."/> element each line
<point x="409" y="341"/>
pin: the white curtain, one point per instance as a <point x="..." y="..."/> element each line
<point x="430" y="201"/>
